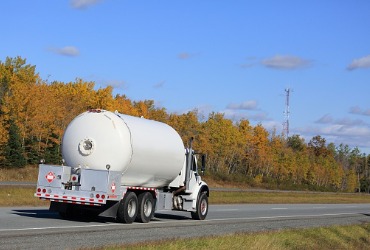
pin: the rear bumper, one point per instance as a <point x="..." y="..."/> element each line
<point x="71" y="198"/>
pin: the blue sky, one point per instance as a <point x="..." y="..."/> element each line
<point x="235" y="57"/>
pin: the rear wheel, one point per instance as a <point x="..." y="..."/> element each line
<point x="146" y="207"/>
<point x="202" y="208"/>
<point x="127" y="209"/>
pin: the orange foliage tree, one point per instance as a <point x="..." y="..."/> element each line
<point x="235" y="150"/>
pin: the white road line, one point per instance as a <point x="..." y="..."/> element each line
<point x="166" y="222"/>
<point x="65" y="227"/>
<point x="287" y="216"/>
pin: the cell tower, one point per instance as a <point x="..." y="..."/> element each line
<point x="286" y="113"/>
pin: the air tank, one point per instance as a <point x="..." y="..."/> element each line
<point x="147" y="152"/>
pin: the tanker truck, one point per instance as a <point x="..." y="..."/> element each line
<point x="124" y="167"/>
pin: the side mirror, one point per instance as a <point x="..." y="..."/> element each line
<point x="203" y="168"/>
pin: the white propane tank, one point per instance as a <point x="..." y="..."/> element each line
<point x="149" y="153"/>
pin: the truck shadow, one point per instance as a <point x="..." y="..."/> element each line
<point x="46" y="214"/>
<point x="36" y="213"/>
<point x="170" y="217"/>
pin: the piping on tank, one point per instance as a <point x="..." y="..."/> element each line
<point x="147" y="152"/>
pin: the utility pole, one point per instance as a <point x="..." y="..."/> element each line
<point x="286" y="113"/>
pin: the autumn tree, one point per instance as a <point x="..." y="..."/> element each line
<point x="34" y="114"/>
<point x="261" y="158"/>
<point x="246" y="134"/>
<point x="225" y="143"/>
<point x="317" y="145"/>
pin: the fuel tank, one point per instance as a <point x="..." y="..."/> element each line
<point x="147" y="152"/>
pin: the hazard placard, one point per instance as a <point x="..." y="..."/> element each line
<point x="50" y="177"/>
<point x="113" y="187"/>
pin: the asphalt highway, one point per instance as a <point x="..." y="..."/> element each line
<point x="38" y="228"/>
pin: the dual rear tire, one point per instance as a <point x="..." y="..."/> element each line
<point x="133" y="207"/>
<point x="146" y="207"/>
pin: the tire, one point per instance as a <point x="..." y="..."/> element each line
<point x="146" y="207"/>
<point x="127" y="209"/>
<point x="202" y="208"/>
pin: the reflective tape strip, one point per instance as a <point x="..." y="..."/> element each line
<point x="142" y="188"/>
<point x="71" y="199"/>
<point x="73" y="202"/>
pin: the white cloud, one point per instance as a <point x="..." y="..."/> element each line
<point x="186" y="55"/>
<point x="238" y="111"/>
<point x="358" y="111"/>
<point x="117" y="84"/>
<point x="233" y="115"/>
<point x="286" y="62"/>
<point x="247" y="105"/>
<point x="344" y="130"/>
<point x="236" y="115"/>
<point x="349" y="122"/>
<point x="351" y="135"/>
<point x="66" y="51"/>
<point x="273" y="126"/>
<point x="183" y="55"/>
<point x="103" y="83"/>
<point x="358" y="63"/>
<point x="327" y="119"/>
<point x="159" y="85"/>
<point x="83" y="4"/>
<point x="203" y="111"/>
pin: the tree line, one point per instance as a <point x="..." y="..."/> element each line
<point x="34" y="114"/>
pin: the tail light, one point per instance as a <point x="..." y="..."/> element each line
<point x="98" y="196"/>
<point x="74" y="178"/>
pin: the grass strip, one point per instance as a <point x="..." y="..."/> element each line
<point x="24" y="196"/>
<point x="28" y="174"/>
<point x="19" y="196"/>
<point x="218" y="197"/>
<point x="333" y="237"/>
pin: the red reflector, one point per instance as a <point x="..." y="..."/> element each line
<point x="103" y="196"/>
<point x="44" y="190"/>
<point x="74" y="178"/>
<point x="97" y="196"/>
<point x="39" y="190"/>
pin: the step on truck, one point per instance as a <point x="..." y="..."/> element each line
<point x="124" y="167"/>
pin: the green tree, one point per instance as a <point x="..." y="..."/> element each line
<point x="52" y="152"/>
<point x="296" y="143"/>
<point x="14" y="152"/>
